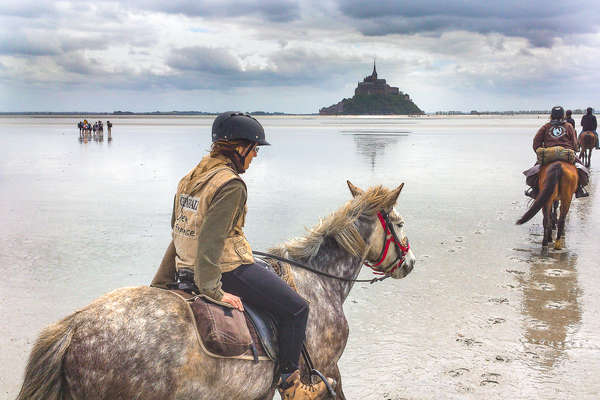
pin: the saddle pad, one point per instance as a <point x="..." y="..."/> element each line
<point x="546" y="155"/>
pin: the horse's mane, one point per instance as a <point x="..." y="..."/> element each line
<point x="340" y="225"/>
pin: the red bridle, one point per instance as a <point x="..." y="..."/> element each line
<point x="389" y="238"/>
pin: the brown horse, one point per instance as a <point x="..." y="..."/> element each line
<point x="587" y="142"/>
<point x="140" y="343"/>
<point x="558" y="182"/>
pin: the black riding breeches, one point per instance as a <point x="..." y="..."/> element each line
<point x="260" y="287"/>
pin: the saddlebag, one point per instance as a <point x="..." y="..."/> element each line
<point x="546" y="155"/>
<point x="223" y="330"/>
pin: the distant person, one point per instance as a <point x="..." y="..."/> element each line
<point x="589" y="123"/>
<point x="109" y="126"/>
<point x="557" y="132"/>
<point x="569" y="119"/>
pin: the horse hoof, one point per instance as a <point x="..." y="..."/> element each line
<point x="559" y="244"/>
<point x="545" y="250"/>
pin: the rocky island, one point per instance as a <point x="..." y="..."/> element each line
<point x="374" y="96"/>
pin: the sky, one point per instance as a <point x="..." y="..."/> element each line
<point x="295" y="56"/>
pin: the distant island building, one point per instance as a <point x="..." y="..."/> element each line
<point x="374" y="96"/>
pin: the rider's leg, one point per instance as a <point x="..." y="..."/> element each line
<point x="259" y="286"/>
<point x="534" y="189"/>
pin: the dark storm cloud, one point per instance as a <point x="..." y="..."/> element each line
<point x="539" y="21"/>
<point x="270" y="10"/>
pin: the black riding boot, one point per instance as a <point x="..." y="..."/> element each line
<point x="581" y="192"/>
<point x="532" y="192"/>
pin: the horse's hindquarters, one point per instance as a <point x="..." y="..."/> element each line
<point x="141" y="343"/>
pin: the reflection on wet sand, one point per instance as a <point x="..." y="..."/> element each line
<point x="370" y="147"/>
<point x="584" y="208"/>
<point x="551" y="307"/>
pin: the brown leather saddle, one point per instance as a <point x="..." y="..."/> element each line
<point x="225" y="332"/>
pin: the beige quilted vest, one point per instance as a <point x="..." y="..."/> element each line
<point x="194" y="195"/>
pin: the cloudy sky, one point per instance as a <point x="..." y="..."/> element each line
<point x="295" y="56"/>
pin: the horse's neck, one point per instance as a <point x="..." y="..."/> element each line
<point x="331" y="258"/>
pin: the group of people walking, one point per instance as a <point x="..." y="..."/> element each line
<point x="87" y="129"/>
<point x="560" y="134"/>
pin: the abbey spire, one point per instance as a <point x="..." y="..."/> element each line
<point x="374" y="74"/>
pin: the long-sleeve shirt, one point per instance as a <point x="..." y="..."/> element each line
<point x="225" y="209"/>
<point x="589" y="123"/>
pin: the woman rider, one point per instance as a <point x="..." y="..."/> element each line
<point x="209" y="244"/>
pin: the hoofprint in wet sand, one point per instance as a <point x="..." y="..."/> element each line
<point x="141" y="342"/>
<point x="558" y="182"/>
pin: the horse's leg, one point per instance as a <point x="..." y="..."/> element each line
<point x="547" y="227"/>
<point x="554" y="214"/>
<point x="565" y="204"/>
<point x="269" y="395"/>
<point x="589" y="158"/>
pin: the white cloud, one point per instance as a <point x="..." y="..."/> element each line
<point x="197" y="55"/>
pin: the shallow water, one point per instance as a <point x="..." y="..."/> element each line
<point x="483" y="315"/>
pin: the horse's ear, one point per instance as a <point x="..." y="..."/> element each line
<point x="355" y="190"/>
<point x="395" y="193"/>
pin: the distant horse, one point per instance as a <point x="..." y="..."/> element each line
<point x="558" y="182"/>
<point x="587" y="141"/>
<point x="140" y="343"/>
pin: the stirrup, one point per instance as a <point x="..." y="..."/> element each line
<point x="581" y="192"/>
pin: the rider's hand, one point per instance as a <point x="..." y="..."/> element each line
<point x="233" y="300"/>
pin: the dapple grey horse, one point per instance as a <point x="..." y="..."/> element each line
<point x="140" y="343"/>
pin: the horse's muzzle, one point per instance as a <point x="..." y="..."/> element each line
<point x="405" y="269"/>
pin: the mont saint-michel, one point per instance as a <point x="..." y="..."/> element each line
<point x="374" y="96"/>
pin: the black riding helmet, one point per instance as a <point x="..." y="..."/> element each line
<point x="232" y="125"/>
<point x="557" y="113"/>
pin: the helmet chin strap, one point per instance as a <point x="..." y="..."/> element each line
<point x="241" y="158"/>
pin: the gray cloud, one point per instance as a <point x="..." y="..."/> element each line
<point x="539" y="21"/>
<point x="209" y="68"/>
<point x="204" y="59"/>
<point x="271" y="10"/>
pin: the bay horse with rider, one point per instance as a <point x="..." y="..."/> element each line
<point x="555" y="144"/>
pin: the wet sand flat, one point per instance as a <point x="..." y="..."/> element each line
<point x="483" y="316"/>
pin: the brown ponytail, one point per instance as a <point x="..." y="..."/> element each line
<point x="227" y="148"/>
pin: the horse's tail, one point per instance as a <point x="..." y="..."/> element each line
<point x="43" y="374"/>
<point x="553" y="176"/>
